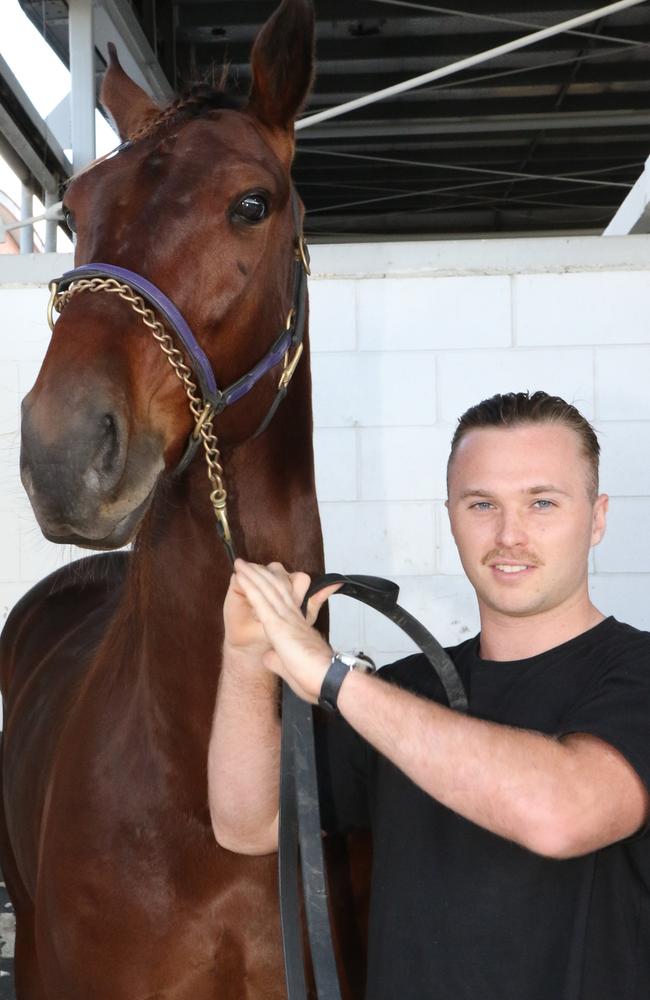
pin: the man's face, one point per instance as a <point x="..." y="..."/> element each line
<point x="523" y="518"/>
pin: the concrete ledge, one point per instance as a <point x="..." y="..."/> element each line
<point x="32" y="269"/>
<point x="538" y="255"/>
<point x="510" y="256"/>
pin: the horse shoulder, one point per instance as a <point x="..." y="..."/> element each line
<point x="54" y="608"/>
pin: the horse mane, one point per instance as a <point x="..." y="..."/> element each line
<point x="199" y="100"/>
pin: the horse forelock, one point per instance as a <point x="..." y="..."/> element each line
<point x="199" y="100"/>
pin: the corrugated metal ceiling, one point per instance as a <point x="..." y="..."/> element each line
<point x="545" y="139"/>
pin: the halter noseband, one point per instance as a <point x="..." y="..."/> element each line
<point x="206" y="400"/>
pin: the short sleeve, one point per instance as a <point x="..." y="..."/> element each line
<point x="343" y="761"/>
<point x="616" y="707"/>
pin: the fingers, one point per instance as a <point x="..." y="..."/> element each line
<point x="282" y="590"/>
<point x="316" y="602"/>
<point x="300" y="585"/>
<point x="272" y="585"/>
<point x="265" y="606"/>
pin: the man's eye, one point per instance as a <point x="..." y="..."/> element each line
<point x="251" y="209"/>
<point x="544" y="504"/>
<point x="482" y="505"/>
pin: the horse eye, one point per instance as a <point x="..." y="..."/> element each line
<point x="251" y="208"/>
<point x="68" y="218"/>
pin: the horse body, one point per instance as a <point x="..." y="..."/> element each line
<point x="110" y="667"/>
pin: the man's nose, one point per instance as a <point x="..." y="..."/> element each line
<point x="511" y="531"/>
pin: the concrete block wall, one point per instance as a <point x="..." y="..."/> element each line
<point x="404" y="338"/>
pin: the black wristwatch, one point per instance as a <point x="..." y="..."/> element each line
<point x="340" y="666"/>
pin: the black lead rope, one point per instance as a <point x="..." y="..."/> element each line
<point x="300" y="840"/>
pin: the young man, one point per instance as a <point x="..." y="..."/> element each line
<point x="511" y="860"/>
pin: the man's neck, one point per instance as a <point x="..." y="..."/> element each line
<point x="507" y="637"/>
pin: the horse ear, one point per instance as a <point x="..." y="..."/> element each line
<point x="282" y="64"/>
<point x="128" y="105"/>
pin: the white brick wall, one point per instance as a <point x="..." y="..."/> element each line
<point x="404" y="338"/>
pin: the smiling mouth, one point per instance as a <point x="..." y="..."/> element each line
<point x="509" y="568"/>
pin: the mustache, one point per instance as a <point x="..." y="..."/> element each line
<point x="529" y="558"/>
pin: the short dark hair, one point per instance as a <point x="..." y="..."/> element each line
<point x="513" y="409"/>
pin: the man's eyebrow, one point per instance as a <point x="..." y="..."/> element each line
<point x="476" y="493"/>
<point x="532" y="490"/>
<point x="547" y="488"/>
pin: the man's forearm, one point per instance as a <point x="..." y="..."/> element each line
<point x="244" y="756"/>
<point x="553" y="797"/>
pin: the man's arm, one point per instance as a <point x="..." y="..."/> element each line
<point x="556" y="797"/>
<point x="244" y="755"/>
<point x="244" y="749"/>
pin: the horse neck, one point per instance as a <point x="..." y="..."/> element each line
<point x="180" y="570"/>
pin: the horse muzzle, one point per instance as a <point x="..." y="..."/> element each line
<point x="88" y="479"/>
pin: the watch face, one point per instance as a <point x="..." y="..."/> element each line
<point x="358" y="661"/>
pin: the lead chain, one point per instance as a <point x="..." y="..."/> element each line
<point x="202" y="412"/>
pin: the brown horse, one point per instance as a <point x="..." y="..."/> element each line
<point x="110" y="666"/>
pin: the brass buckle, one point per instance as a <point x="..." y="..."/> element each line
<point x="303" y="254"/>
<point x="53" y="289"/>
<point x="289" y="367"/>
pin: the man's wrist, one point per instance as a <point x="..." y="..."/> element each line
<point x="340" y="667"/>
<point x="244" y="658"/>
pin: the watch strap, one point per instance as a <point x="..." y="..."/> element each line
<point x="329" y="692"/>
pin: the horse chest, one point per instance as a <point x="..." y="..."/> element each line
<point x="205" y="921"/>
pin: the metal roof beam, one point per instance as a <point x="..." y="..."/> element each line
<point x="482" y="124"/>
<point x="481" y="57"/>
<point x="27" y="143"/>
<point x="633" y="216"/>
<point x="116" y="22"/>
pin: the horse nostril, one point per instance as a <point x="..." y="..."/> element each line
<point x="109" y="447"/>
<point x="104" y="468"/>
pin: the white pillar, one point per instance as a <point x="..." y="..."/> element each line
<point x="26" y="212"/>
<point x="51" y="224"/>
<point x="82" y="100"/>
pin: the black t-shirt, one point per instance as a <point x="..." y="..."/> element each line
<point x="458" y="913"/>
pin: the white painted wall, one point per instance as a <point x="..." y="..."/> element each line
<point x="405" y="337"/>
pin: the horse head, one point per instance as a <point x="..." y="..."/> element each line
<point x="198" y="201"/>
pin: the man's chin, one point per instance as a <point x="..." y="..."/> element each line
<point x="515" y="606"/>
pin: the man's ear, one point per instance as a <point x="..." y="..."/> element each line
<point x="282" y="64"/>
<point x="126" y="102"/>
<point x="599" y="518"/>
<point x="451" y="521"/>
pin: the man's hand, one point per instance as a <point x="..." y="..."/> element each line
<point x="288" y="643"/>
<point x="244" y="632"/>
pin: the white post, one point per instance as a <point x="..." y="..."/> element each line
<point x="26" y="211"/>
<point x="82" y="100"/>
<point x="51" y="225"/>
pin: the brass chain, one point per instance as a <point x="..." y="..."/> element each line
<point x="201" y="412"/>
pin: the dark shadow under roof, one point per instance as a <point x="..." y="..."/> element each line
<point x="545" y="139"/>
